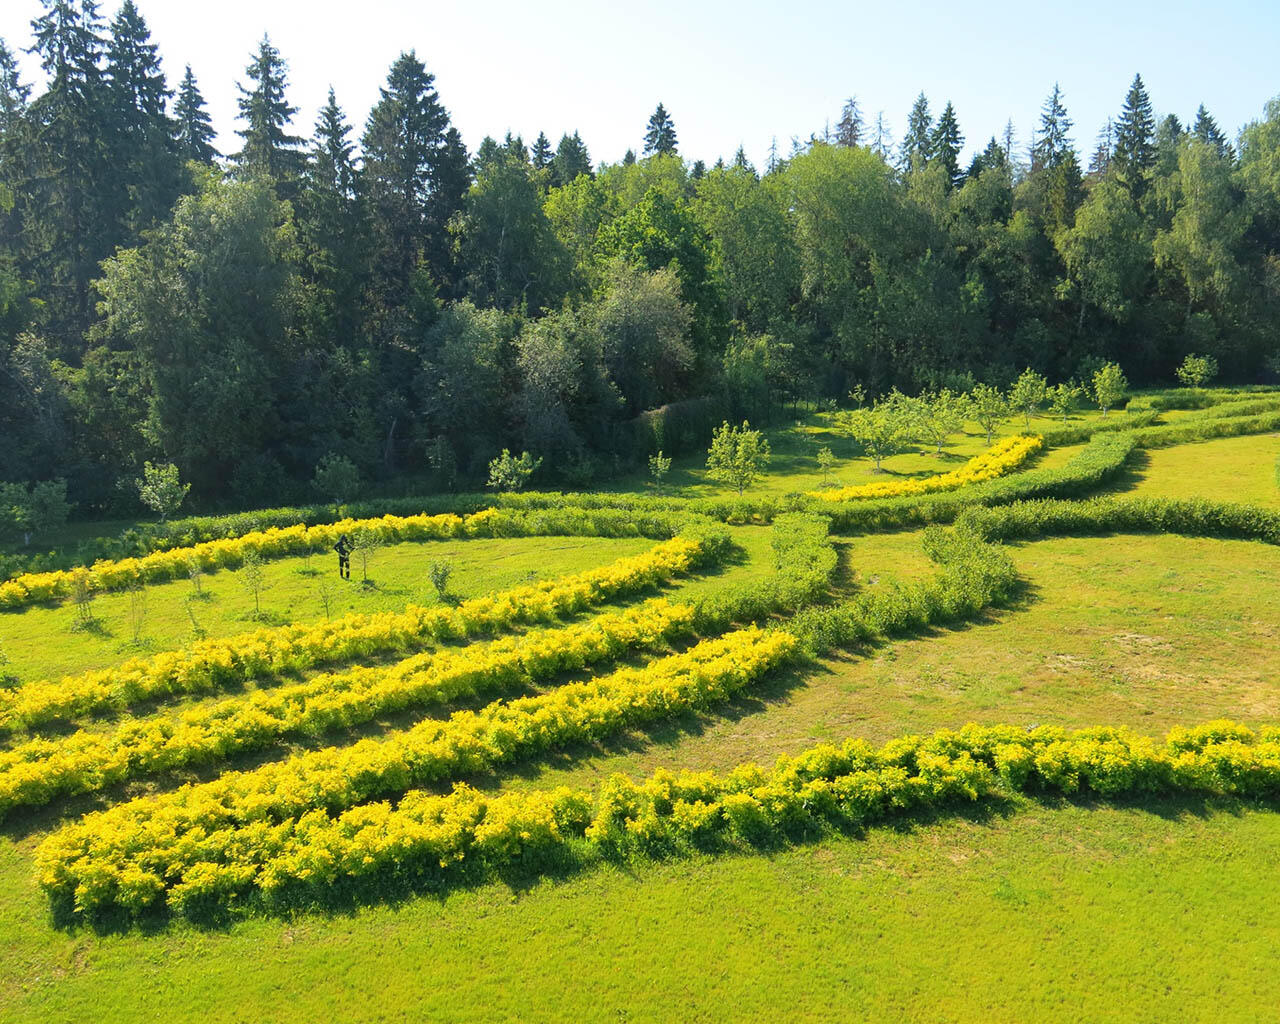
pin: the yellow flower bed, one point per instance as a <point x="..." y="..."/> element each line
<point x="199" y="825"/>
<point x="210" y="664"/>
<point x="36" y="772"/>
<point x="1001" y="458"/>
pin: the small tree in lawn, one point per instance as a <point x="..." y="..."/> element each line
<point x="253" y="576"/>
<point x="364" y="542"/>
<point x="989" y="406"/>
<point x="83" y="591"/>
<point x="941" y="415"/>
<point x="826" y="463"/>
<point x="1197" y="371"/>
<point x="659" y="467"/>
<point x="440" y="571"/>
<point x="1064" y="399"/>
<point x="508" y="473"/>
<point x="161" y="489"/>
<point x="738" y="455"/>
<point x="1109" y="386"/>
<point x="336" y="478"/>
<point x="882" y="429"/>
<point x="8" y="677"/>
<point x="1028" y="394"/>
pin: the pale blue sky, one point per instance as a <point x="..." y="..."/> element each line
<point x="729" y="72"/>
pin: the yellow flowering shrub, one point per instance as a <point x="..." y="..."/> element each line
<point x="1001" y="458"/>
<point x="265" y="653"/>
<point x="35" y="772"/>
<point x="241" y="814"/>
<point x="136" y="864"/>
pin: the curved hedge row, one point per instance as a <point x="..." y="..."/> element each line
<point x="210" y="665"/>
<point x="429" y="838"/>
<point x="294" y="540"/>
<point x="34" y="773"/>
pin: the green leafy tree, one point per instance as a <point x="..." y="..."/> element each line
<point x="990" y="405"/>
<point x="940" y="416"/>
<point x="826" y="463"/>
<point x="364" y="543"/>
<point x="1109" y="386"/>
<point x="440" y="572"/>
<point x="510" y="473"/>
<point x="161" y="489"/>
<point x="738" y="455"/>
<point x="660" y="135"/>
<point x="883" y="429"/>
<point x="1197" y="371"/>
<point x="35" y="509"/>
<point x="1064" y="399"/>
<point x="1108" y="254"/>
<point x="336" y="478"/>
<point x="1028" y="394"/>
<point x="253" y="577"/>
<point x="659" y="467"/>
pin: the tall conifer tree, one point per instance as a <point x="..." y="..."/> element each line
<point x="1135" y="152"/>
<point x="945" y="144"/>
<point x="1052" y="140"/>
<point x="849" y="127"/>
<point x="269" y="149"/>
<point x="660" y="136"/>
<point x="917" y="142"/>
<point x="194" y="129"/>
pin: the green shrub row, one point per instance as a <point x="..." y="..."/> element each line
<point x="1196" y="517"/>
<point x="377" y="850"/>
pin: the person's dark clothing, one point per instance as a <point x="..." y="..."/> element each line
<point x="343" y="548"/>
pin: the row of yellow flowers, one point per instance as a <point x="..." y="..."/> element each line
<point x="1001" y="458"/>
<point x="128" y="852"/>
<point x="36" y="772"/>
<point x="283" y="542"/>
<point x="427" y="836"/>
<point x="272" y="652"/>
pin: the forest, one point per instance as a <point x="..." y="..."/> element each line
<point x="371" y="289"/>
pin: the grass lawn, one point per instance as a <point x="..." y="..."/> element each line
<point x="794" y="464"/>
<point x="1226" y="469"/>
<point x="43" y="643"/>
<point x="1030" y="912"/>
<point x="1047" y="911"/>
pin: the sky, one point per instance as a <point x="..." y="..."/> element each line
<point x="730" y="73"/>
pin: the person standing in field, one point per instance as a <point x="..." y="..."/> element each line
<point x="343" y="547"/>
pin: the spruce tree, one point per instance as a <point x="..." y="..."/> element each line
<point x="881" y="138"/>
<point x="402" y="139"/>
<point x="13" y="93"/>
<point x="849" y="127"/>
<point x="917" y="142"/>
<point x="1052" y="142"/>
<point x="660" y="137"/>
<point x="516" y="149"/>
<point x="331" y="227"/>
<point x="571" y="159"/>
<point x="1100" y="163"/>
<point x="542" y="152"/>
<point x="65" y="232"/>
<point x="1207" y="131"/>
<point x="145" y="166"/>
<point x="741" y="162"/>
<point x="945" y="144"/>
<point x="450" y="181"/>
<point x="269" y="149"/>
<point x="1135" y="153"/>
<point x="194" y="131"/>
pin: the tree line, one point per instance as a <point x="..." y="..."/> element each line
<point x="384" y="295"/>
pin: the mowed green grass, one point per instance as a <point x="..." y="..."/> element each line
<point x="1226" y="469"/>
<point x="1025" y="913"/>
<point x="793" y="465"/>
<point x="1056" y="911"/>
<point x="43" y="641"/>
